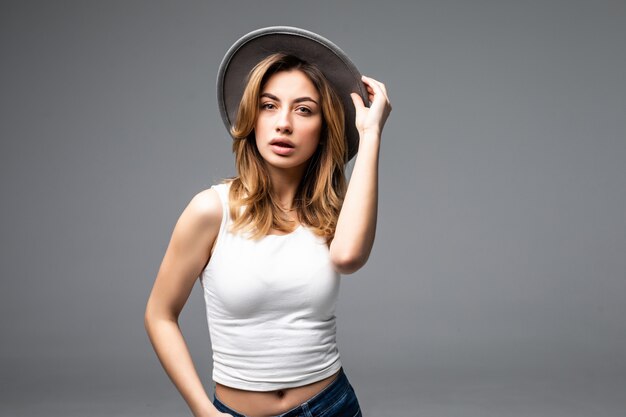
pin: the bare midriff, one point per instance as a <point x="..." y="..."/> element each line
<point x="269" y="403"/>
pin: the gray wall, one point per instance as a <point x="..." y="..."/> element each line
<point x="502" y="233"/>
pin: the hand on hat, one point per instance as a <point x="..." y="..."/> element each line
<point x="371" y="119"/>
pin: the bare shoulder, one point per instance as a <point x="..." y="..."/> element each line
<point x="200" y="221"/>
<point x="206" y="207"/>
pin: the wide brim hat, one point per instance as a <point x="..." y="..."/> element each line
<point x="338" y="69"/>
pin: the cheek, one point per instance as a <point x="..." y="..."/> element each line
<point x="314" y="132"/>
<point x="259" y="126"/>
<point x="260" y="130"/>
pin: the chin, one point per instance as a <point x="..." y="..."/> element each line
<point x="283" y="162"/>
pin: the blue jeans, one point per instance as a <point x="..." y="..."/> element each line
<point x="337" y="399"/>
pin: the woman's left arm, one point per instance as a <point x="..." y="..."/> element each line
<point x="356" y="226"/>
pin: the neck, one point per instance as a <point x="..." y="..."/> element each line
<point x="285" y="184"/>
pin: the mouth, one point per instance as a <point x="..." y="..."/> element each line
<point x="282" y="147"/>
<point x="283" y="143"/>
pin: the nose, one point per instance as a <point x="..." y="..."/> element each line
<point x="283" y="121"/>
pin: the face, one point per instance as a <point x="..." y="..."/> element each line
<point x="289" y="123"/>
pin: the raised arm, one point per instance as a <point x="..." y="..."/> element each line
<point x="356" y="226"/>
<point x="186" y="255"/>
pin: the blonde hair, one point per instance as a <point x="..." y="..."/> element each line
<point x="320" y="194"/>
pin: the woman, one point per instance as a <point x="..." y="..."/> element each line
<point x="269" y="245"/>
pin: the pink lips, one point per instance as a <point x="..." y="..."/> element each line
<point x="282" y="146"/>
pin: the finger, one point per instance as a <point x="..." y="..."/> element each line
<point x="381" y="85"/>
<point x="358" y="101"/>
<point x="367" y="86"/>
<point x="372" y="82"/>
<point x="376" y="86"/>
<point x="376" y="95"/>
<point x="371" y="92"/>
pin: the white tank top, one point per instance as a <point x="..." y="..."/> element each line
<point x="270" y="308"/>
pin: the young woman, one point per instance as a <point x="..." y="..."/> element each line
<point x="269" y="245"/>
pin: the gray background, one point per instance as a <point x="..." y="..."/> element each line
<point x="496" y="285"/>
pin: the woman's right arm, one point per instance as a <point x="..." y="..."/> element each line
<point x="186" y="255"/>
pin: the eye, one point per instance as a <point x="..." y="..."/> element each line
<point x="305" y="110"/>
<point x="268" y="106"/>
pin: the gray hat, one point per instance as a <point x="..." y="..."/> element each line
<point x="308" y="46"/>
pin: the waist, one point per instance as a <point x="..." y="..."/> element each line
<point x="253" y="365"/>
<point x="272" y="403"/>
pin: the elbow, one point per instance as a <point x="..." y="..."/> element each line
<point x="153" y="315"/>
<point x="147" y="319"/>
<point x="346" y="263"/>
<point x="153" y="323"/>
<point x="149" y="313"/>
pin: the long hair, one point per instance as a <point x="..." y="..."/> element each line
<point x="320" y="194"/>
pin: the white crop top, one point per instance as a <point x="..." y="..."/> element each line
<point x="270" y="308"/>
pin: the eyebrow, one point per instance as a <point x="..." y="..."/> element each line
<point x="298" y="100"/>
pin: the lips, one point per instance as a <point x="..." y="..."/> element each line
<point x="281" y="146"/>
<point x="283" y="143"/>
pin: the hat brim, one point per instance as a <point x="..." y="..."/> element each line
<point x="308" y="46"/>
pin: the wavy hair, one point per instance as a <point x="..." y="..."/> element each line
<point x="321" y="191"/>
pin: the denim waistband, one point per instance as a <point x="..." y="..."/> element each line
<point x="317" y="404"/>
